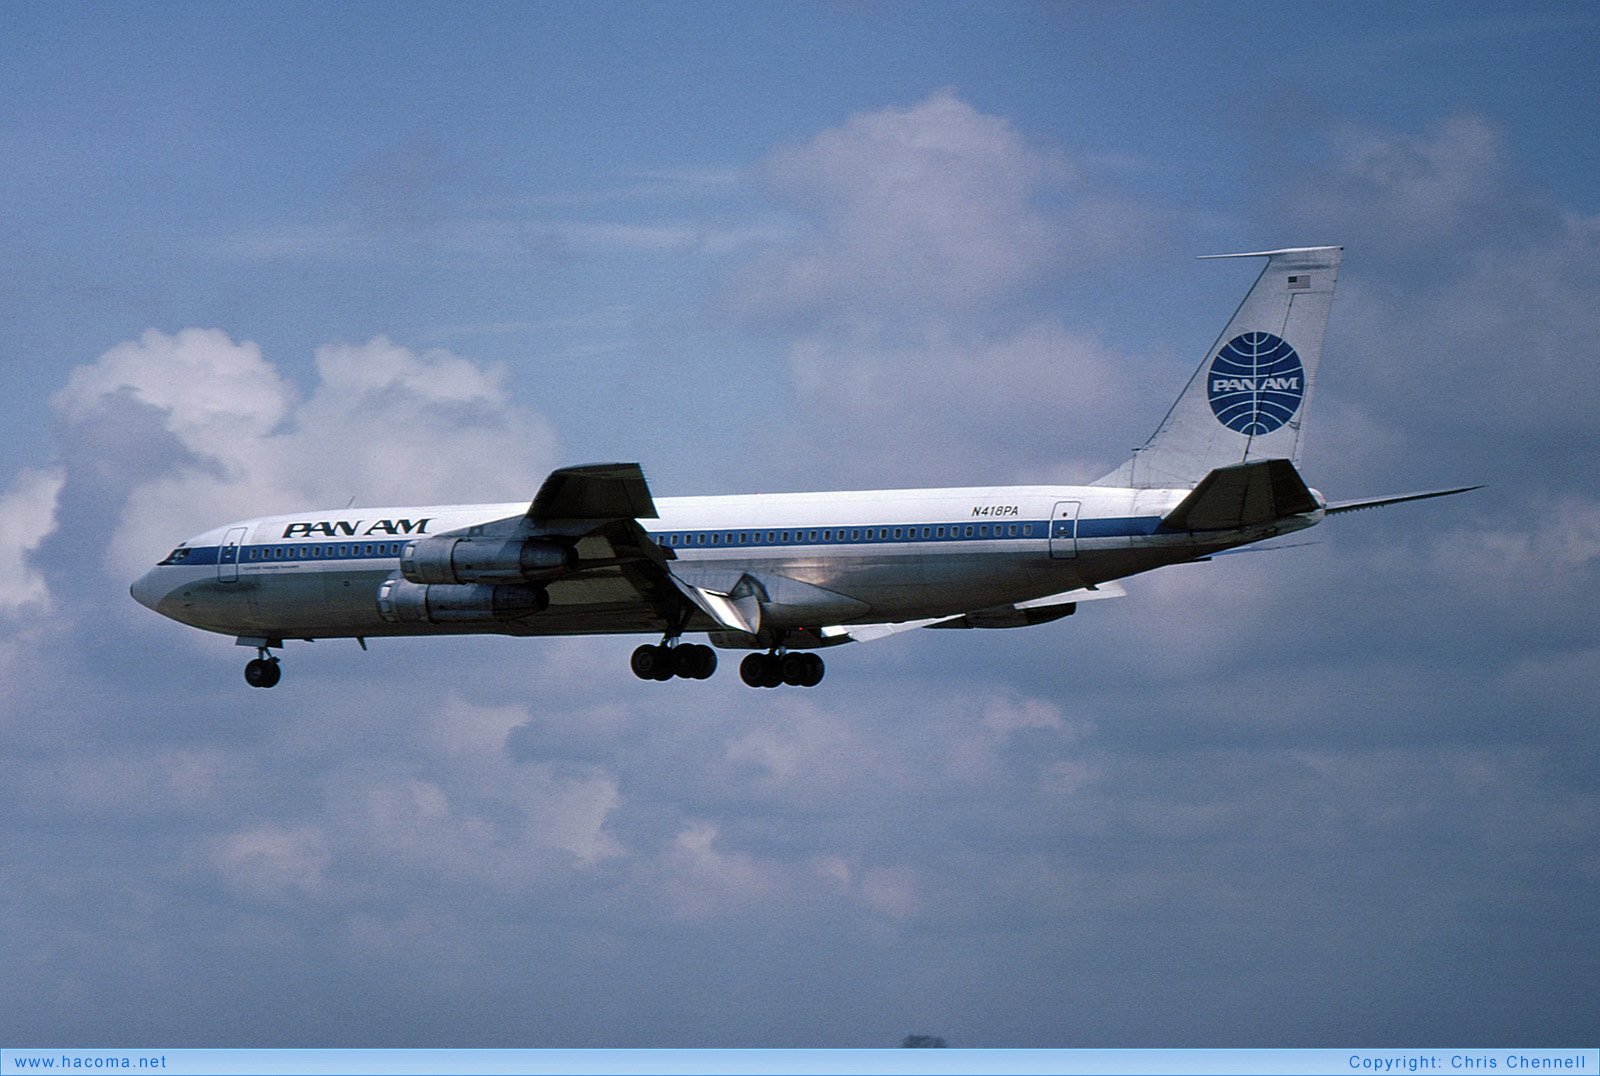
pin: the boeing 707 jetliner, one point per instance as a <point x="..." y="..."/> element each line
<point x="783" y="575"/>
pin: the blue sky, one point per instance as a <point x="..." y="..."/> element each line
<point x="259" y="258"/>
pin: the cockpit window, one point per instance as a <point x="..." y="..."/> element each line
<point x="178" y="556"/>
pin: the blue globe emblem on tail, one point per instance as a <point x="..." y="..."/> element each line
<point x="1255" y="383"/>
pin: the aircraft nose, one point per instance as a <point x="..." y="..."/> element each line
<point x="145" y="590"/>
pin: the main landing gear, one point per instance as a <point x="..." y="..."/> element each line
<point x="263" y="671"/>
<point x="691" y="661"/>
<point x="794" y="667"/>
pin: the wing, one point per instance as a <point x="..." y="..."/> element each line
<point x="1021" y="615"/>
<point x="624" y="581"/>
<point x="603" y="491"/>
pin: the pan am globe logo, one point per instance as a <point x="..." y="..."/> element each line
<point x="1256" y="383"/>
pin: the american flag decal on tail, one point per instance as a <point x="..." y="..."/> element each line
<point x="1299" y="283"/>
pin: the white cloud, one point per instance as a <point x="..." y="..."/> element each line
<point x="923" y="209"/>
<point x="383" y="425"/>
<point x="213" y="391"/>
<point x="706" y="880"/>
<point x="1411" y="188"/>
<point x="273" y="863"/>
<point x="27" y="518"/>
<point x="912" y="304"/>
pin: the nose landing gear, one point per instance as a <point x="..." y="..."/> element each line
<point x="263" y="671"/>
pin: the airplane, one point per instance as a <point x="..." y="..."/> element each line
<point x="785" y="575"/>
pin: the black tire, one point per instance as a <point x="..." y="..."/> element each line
<point x="262" y="672"/>
<point x="792" y="668"/>
<point x="705" y="664"/>
<point x="646" y="662"/>
<point x="814" y="670"/>
<point x="750" y="670"/>
<point x="771" y="670"/>
<point x="666" y="663"/>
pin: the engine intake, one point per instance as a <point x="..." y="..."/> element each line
<point x="447" y="559"/>
<point x="401" y="602"/>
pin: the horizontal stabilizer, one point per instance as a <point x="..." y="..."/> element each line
<point x="1379" y="502"/>
<point x="1243" y="495"/>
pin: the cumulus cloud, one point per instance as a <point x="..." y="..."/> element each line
<point x="382" y="425"/>
<point x="919" y="210"/>
<point x="929" y="205"/>
<point x="27" y="519"/>
<point x="1409" y="189"/>
<point x="1466" y="316"/>
<point x="1176" y="796"/>
<point x="912" y="304"/>
<point x="273" y="864"/>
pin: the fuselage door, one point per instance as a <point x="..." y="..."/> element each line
<point x="228" y="556"/>
<point x="1064" y="530"/>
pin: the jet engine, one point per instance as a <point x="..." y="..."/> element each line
<point x="450" y="559"/>
<point x="402" y="602"/>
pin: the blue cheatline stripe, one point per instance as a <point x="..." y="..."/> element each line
<point x="299" y="552"/>
<point x="905" y="534"/>
<point x="289" y="552"/>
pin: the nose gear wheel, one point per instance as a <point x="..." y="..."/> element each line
<point x="263" y="671"/>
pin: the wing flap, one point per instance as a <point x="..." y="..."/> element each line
<point x="1022" y="614"/>
<point x="739" y="610"/>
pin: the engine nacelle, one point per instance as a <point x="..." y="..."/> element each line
<point x="448" y="559"/>
<point x="401" y="602"/>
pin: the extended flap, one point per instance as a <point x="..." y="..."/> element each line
<point x="738" y="609"/>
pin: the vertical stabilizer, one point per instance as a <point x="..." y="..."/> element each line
<point x="1249" y="398"/>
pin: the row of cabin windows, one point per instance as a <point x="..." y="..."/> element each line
<point x="979" y="530"/>
<point x="300" y="552"/>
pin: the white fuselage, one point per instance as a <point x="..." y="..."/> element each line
<point x="862" y="557"/>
